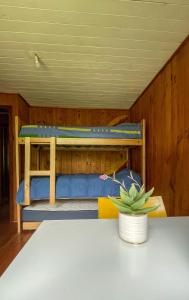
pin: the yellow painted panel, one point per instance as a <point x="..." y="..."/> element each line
<point x="107" y="210"/>
<point x="160" y="212"/>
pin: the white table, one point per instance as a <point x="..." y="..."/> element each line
<point x="86" y="260"/>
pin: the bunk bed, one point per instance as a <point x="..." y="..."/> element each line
<point x="116" y="136"/>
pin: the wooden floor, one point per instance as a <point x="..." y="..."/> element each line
<point x="10" y="242"/>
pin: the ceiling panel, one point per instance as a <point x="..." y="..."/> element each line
<point x="92" y="53"/>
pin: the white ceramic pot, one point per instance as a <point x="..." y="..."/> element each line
<point x="133" y="228"/>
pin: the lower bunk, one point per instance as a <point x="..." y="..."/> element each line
<point x="32" y="215"/>
<point x="65" y="209"/>
<point x="70" y="209"/>
<point x="77" y="197"/>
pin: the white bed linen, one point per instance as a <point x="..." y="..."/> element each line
<point x="64" y="205"/>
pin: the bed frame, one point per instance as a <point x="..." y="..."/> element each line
<point x="91" y="144"/>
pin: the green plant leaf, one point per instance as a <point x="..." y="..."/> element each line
<point x="140" y="193"/>
<point x="125" y="196"/>
<point x="146" y="210"/>
<point x="148" y="194"/>
<point x="133" y="191"/>
<point x="122" y="207"/>
<point x="123" y="193"/>
<point x="118" y="201"/>
<point x="139" y="203"/>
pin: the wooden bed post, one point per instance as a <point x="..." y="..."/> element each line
<point x="143" y="152"/>
<point x="52" y="170"/>
<point x="127" y="158"/>
<point x="27" y="171"/>
<point x="17" y="127"/>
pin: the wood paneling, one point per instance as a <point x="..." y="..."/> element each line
<point x="165" y="106"/>
<point x="4" y="174"/>
<point x="77" y="162"/>
<point x="16" y="106"/>
<point x="1" y="166"/>
<point x="72" y="117"/>
<point x="23" y="109"/>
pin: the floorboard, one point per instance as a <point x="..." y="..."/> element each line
<point x="10" y="242"/>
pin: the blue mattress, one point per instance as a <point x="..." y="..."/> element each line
<point x="125" y="131"/>
<point x="76" y="186"/>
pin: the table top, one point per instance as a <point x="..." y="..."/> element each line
<point x="85" y="259"/>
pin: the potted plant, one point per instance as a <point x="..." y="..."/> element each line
<point x="133" y="218"/>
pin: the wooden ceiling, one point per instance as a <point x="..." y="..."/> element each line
<point x="98" y="54"/>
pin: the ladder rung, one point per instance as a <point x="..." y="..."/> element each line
<point x="40" y="173"/>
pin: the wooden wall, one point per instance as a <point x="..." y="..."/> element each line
<point x="1" y="165"/>
<point x="165" y="106"/>
<point x="16" y="106"/>
<point x="72" y="117"/>
<point x="3" y="161"/>
<point x="77" y="162"/>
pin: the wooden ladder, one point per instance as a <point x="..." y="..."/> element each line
<point x="28" y="172"/>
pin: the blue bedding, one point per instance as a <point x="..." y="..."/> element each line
<point x="125" y="131"/>
<point x="76" y="186"/>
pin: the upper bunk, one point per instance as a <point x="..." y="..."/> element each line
<point x="124" y="134"/>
